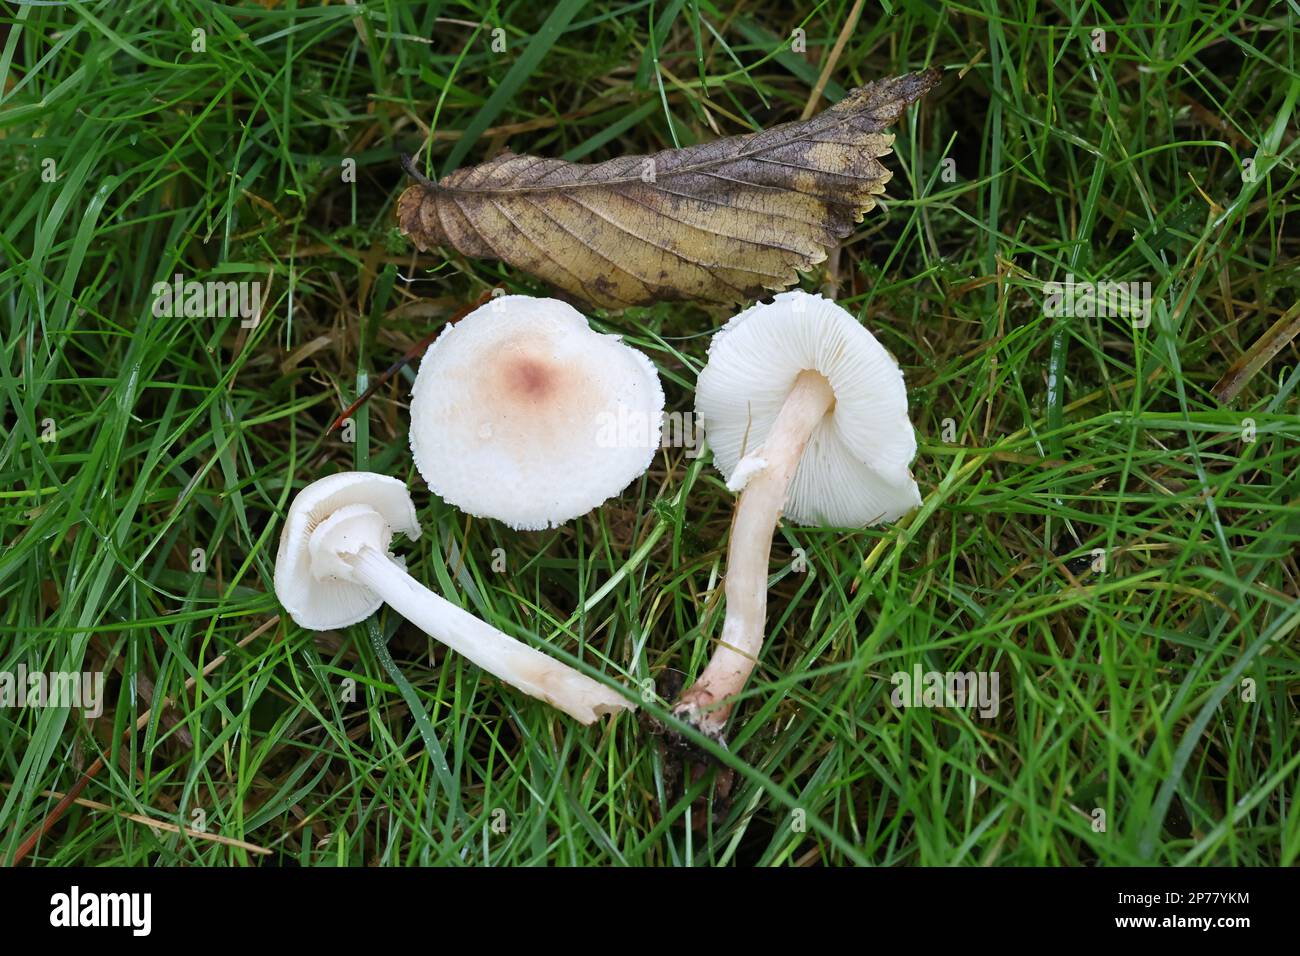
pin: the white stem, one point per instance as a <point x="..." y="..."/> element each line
<point x="514" y="662"/>
<point x="706" y="702"/>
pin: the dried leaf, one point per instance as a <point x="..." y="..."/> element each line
<point x="718" y="222"/>
<point x="1277" y="338"/>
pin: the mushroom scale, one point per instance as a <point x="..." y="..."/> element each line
<point x="523" y="413"/>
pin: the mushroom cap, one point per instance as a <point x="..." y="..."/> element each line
<point x="854" y="470"/>
<point x="315" y="597"/>
<point x="521" y="412"/>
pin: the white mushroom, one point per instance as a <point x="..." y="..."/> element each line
<point x="807" y="413"/>
<point x="334" y="569"/>
<point x="521" y="412"/>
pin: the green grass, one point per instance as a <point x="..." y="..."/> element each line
<point x="1121" y="689"/>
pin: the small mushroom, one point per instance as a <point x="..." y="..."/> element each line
<point x="521" y="412"/>
<point x="806" y="414"/>
<point x="334" y="569"/>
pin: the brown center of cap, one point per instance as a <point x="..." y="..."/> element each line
<point x="533" y="402"/>
<point x="527" y="377"/>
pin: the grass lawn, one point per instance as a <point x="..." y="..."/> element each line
<point x="1102" y="530"/>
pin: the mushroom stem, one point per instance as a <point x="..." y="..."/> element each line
<point x="514" y="662"/>
<point x="707" y="703"/>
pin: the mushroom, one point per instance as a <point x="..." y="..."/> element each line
<point x="334" y="569"/>
<point x="521" y="412"/>
<point x="806" y="414"/>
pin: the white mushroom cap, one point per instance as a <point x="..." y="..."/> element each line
<point x="521" y="412"/>
<point x="307" y="577"/>
<point x="854" y="470"/>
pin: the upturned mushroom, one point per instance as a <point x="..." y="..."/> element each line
<point x="523" y="413"/>
<point x="334" y="569"/>
<point x="806" y="414"/>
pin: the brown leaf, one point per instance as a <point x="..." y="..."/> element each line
<point x="718" y="222"/>
<point x="1258" y="355"/>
